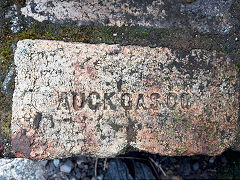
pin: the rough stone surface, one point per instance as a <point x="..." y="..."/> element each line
<point x="56" y="162"/>
<point x="101" y="100"/>
<point x="202" y="15"/>
<point x="21" y="169"/>
<point x="67" y="166"/>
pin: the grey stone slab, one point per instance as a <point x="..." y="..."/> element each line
<point x="206" y="16"/>
<point x="21" y="169"/>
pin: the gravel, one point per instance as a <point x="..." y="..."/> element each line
<point x="56" y="162"/>
<point x="212" y="159"/>
<point x="193" y="167"/>
<point x="44" y="163"/>
<point x="196" y="166"/>
<point x="67" y="166"/>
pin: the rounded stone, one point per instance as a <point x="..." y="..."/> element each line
<point x="196" y="166"/>
<point x="67" y="166"/>
<point x="56" y="162"/>
<point x="212" y="159"/>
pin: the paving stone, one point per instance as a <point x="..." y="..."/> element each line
<point x="206" y="16"/>
<point x="20" y="169"/>
<point x="99" y="100"/>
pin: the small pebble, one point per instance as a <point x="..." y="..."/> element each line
<point x="54" y="176"/>
<point x="51" y="167"/>
<point x="86" y="178"/>
<point x="212" y="159"/>
<point x="83" y="175"/>
<point x="44" y="163"/>
<point x="81" y="160"/>
<point x="67" y="166"/>
<point x="94" y="178"/>
<point x="80" y="163"/>
<point x="77" y="173"/>
<point x="14" y="47"/>
<point x="100" y="177"/>
<point x="85" y="166"/>
<point x="56" y="162"/>
<point x="228" y="59"/>
<point x="196" y="166"/>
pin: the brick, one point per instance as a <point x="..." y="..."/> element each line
<point x="102" y="100"/>
<point x="205" y="16"/>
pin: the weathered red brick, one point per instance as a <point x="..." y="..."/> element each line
<point x="99" y="100"/>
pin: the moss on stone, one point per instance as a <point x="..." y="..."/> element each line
<point x="5" y="125"/>
<point x="21" y="2"/>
